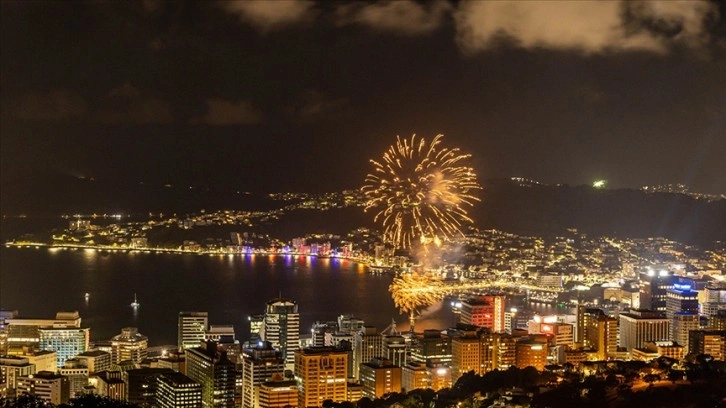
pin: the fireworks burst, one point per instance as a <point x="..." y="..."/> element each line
<point x="419" y="191"/>
<point x="414" y="290"/>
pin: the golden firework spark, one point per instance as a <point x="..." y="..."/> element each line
<point x="414" y="290"/>
<point x="419" y="191"/>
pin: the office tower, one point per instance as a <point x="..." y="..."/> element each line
<point x="221" y="334"/>
<point x="484" y="311"/>
<point x="96" y="360"/>
<point x="281" y="327"/>
<point x="77" y="373"/>
<point x="130" y="345"/>
<point x="714" y="299"/>
<point x="176" y="390"/>
<point x="255" y="326"/>
<point x="717" y="321"/>
<point x="465" y="355"/>
<point x="192" y="326"/>
<point x="532" y="353"/>
<point x="141" y="384"/>
<point x="349" y="324"/>
<point x="50" y="387"/>
<point x="431" y="348"/>
<point x="320" y="331"/>
<point x="278" y="392"/>
<point x="600" y="333"/>
<point x="368" y="345"/>
<point x="711" y="342"/>
<point x="321" y="373"/>
<point x="44" y="360"/>
<point x="109" y="384"/>
<point x="380" y="377"/>
<point x="559" y="334"/>
<point x="215" y="372"/>
<point x="25" y="333"/>
<point x="394" y="349"/>
<point x="67" y="342"/>
<point x="639" y="326"/>
<point x="681" y="324"/>
<point x="414" y="376"/>
<point x="175" y="360"/>
<point x="12" y="368"/>
<point x="498" y="351"/>
<point x="260" y="361"/>
<point x="680" y="299"/>
<point x="653" y="288"/>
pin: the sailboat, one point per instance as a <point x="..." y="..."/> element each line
<point x="135" y="304"/>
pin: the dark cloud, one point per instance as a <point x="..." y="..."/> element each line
<point x="406" y="17"/>
<point x="266" y="16"/>
<point x="127" y="105"/>
<point x="314" y="104"/>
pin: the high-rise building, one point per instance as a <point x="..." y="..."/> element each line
<point x="531" y="353"/>
<point x="368" y="344"/>
<point x="639" y="326"/>
<point x="281" y="327"/>
<point x="680" y="299"/>
<point x="176" y="390"/>
<point x="141" y="384"/>
<point x="349" y="324"/>
<point x="465" y="355"/>
<point x="484" y="311"/>
<point x="681" y="324"/>
<point x="44" y="360"/>
<point x="215" y="372"/>
<point x="96" y="360"/>
<point x="321" y="373"/>
<point x="600" y="333"/>
<point x="48" y="386"/>
<point x="109" y="384"/>
<point x="191" y="328"/>
<point x="77" y="373"/>
<point x="653" y="288"/>
<point x="319" y="332"/>
<point x="278" y="392"/>
<point x="394" y="349"/>
<point x="431" y="348"/>
<point x="130" y="345"/>
<point x="12" y="368"/>
<point x="714" y="299"/>
<point x="414" y="376"/>
<point x="711" y="342"/>
<point x="498" y="351"/>
<point x="66" y="342"/>
<point x="380" y="377"/>
<point x="255" y="326"/>
<point x="260" y="361"/>
<point x="25" y="333"/>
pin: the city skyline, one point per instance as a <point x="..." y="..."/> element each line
<point x="275" y="96"/>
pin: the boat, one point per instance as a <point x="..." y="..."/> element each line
<point x="135" y="304"/>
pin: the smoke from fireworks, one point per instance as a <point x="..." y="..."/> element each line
<point x="420" y="191"/>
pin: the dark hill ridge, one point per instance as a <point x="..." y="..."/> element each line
<point x="531" y="210"/>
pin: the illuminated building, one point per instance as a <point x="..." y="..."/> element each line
<point x="281" y="327"/>
<point x="259" y="362"/>
<point x="191" y="328"/>
<point x="96" y="360"/>
<point x="559" y="334"/>
<point x="600" y="333"/>
<point x="653" y="288"/>
<point x="321" y="374"/>
<point x="141" y="384"/>
<point x="67" y="342"/>
<point x="11" y="368"/>
<point x="320" y="330"/>
<point x="394" y="349"/>
<point x="498" y="351"/>
<point x="212" y="369"/>
<point x="681" y="324"/>
<point x="711" y="342"/>
<point x="109" y="384"/>
<point x="349" y="323"/>
<point x="255" y="326"/>
<point x="414" y="376"/>
<point x="380" y="377"/>
<point x="44" y="360"/>
<point x="368" y="344"/>
<point x="683" y="301"/>
<point x="26" y="332"/>
<point x="354" y="392"/>
<point x="130" y="345"/>
<point x="718" y="321"/>
<point x="221" y="334"/>
<point x="484" y="311"/>
<point x="465" y="355"/>
<point x="714" y="299"/>
<point x="432" y="348"/>
<point x="177" y="390"/>
<point x="655" y="349"/>
<point x="639" y="326"/>
<point x="175" y="360"/>
<point x="531" y="353"/>
<point x="77" y="374"/>
<point x="48" y="386"/>
<point x="277" y="393"/>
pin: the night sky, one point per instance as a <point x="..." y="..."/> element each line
<point x="276" y="96"/>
